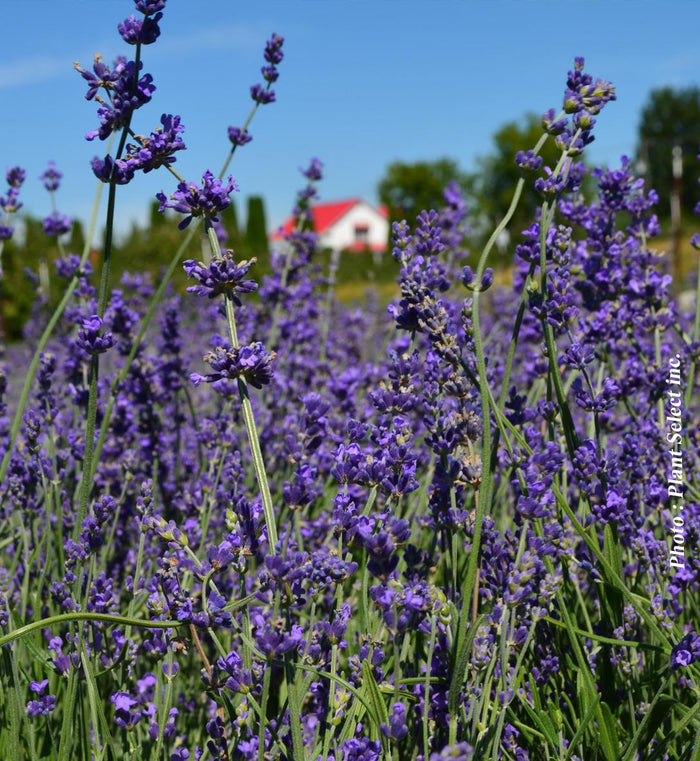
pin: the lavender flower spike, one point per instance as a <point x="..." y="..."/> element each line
<point x="223" y="275"/>
<point x="195" y="201"/>
<point x="51" y="177"/>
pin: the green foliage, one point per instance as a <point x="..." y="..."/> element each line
<point x="671" y="117"/>
<point x="28" y="252"/>
<point x="146" y="250"/>
<point x="151" y="249"/>
<point x="256" y="243"/>
<point x="407" y="189"/>
<point x="76" y="242"/>
<point x="362" y="267"/>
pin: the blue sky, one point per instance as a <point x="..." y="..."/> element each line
<point x="363" y="83"/>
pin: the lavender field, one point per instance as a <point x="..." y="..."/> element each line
<point x="248" y="522"/>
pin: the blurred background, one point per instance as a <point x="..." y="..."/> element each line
<point x="396" y="98"/>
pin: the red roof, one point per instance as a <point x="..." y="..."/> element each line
<point x="324" y="215"/>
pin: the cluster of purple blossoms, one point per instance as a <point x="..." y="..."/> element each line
<point x="148" y="154"/>
<point x="9" y="203"/>
<point x="149" y="7"/>
<point x="51" y="177"/>
<point x="207" y="200"/>
<point x="143" y="31"/>
<point x="91" y="339"/>
<point x="583" y="99"/>
<point x="273" y="55"/>
<point x="126" y="91"/>
<point x="56" y="224"/>
<point x="252" y="362"/>
<point x="687" y="651"/>
<point x="222" y="276"/>
<point x="42" y="704"/>
<point x="259" y="93"/>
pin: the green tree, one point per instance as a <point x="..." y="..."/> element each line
<point x="670" y="117"/>
<point x="229" y="219"/>
<point x="76" y="242"/>
<point x="256" y="243"/>
<point x="409" y="188"/>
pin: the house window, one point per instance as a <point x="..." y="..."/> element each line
<point x="361" y="234"/>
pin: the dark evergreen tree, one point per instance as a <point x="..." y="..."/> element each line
<point x="671" y="117"/>
<point x="256" y="242"/>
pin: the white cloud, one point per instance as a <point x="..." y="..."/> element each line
<point x="34" y="70"/>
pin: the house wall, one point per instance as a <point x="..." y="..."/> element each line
<point x="342" y="233"/>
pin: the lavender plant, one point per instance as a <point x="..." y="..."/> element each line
<point x="235" y="528"/>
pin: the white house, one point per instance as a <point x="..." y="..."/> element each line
<point x="350" y="225"/>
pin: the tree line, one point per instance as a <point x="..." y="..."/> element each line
<point x="670" y="119"/>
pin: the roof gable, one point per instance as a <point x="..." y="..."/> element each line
<point x="324" y="216"/>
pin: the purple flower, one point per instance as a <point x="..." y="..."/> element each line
<point x="44" y="704"/>
<point x="120" y="172"/>
<point x="89" y="338"/>
<point x="51" y="177"/>
<point x="238" y="136"/>
<point x="552" y="184"/>
<point x="314" y="172"/>
<point x="195" y="201"/>
<point x="144" y="30"/>
<point x="687" y="651"/>
<point x="583" y="93"/>
<point x="262" y="95"/>
<point x="273" y="49"/>
<point x="220" y="556"/>
<point x="469" y="276"/>
<point x="605" y="400"/>
<point x="9" y="203"/>
<point x="361" y="749"/>
<point x="149" y="7"/>
<point x="397" y="728"/>
<point x="158" y="148"/>
<point x="56" y="224"/>
<point x="274" y="643"/>
<point x="270" y="73"/>
<point x="101" y="76"/>
<point x="238" y="679"/>
<point x="126" y="90"/>
<point x="15" y="176"/>
<point x="251" y="362"/>
<point x="123" y="715"/>
<point x="459" y="752"/>
<point x="221" y="276"/>
<point x="551" y="125"/>
<point x="527" y="161"/>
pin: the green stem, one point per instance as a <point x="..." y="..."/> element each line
<point x="248" y="417"/>
<point x="31" y="371"/>
<point x="486" y="486"/>
<point x="157" y="296"/>
<point x="426" y="688"/>
<point x="63" y="618"/>
<point x="86" y="482"/>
